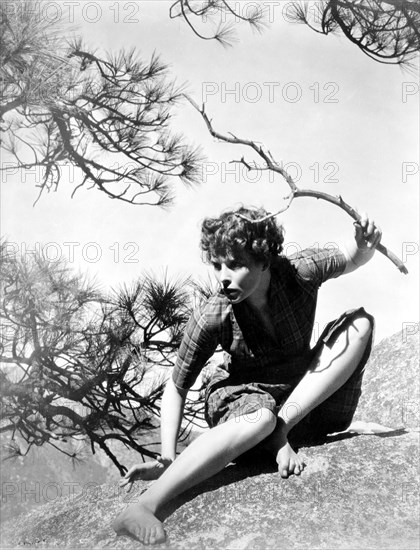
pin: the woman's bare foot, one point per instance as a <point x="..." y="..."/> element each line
<point x="288" y="461"/>
<point x="146" y="471"/>
<point x="139" y="523"/>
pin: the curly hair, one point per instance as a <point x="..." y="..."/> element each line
<point x="230" y="235"/>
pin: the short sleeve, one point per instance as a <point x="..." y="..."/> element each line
<point x="199" y="342"/>
<point x="320" y="264"/>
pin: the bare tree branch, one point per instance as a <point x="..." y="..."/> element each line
<point x="295" y="192"/>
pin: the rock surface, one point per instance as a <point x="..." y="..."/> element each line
<point x="357" y="491"/>
<point x="391" y="384"/>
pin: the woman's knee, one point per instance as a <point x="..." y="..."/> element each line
<point x="264" y="419"/>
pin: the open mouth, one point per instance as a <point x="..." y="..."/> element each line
<point x="230" y="293"/>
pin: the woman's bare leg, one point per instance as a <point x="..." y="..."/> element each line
<point x="207" y="455"/>
<point x="330" y="369"/>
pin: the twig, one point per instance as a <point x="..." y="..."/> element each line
<point x="295" y="192"/>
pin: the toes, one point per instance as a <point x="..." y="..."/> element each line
<point x="300" y="466"/>
<point x="153" y="535"/>
<point x="141" y="534"/>
<point x="150" y="534"/>
<point x="161" y="535"/>
<point x="285" y="470"/>
<point x="295" y="467"/>
<point x="157" y="534"/>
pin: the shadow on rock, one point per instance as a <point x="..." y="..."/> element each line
<point x="252" y="463"/>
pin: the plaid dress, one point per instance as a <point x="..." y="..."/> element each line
<point x="260" y="370"/>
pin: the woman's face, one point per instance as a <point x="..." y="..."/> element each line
<point x="238" y="278"/>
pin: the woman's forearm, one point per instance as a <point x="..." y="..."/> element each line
<point x="360" y="250"/>
<point x="355" y="256"/>
<point x="172" y="409"/>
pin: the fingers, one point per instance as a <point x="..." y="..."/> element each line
<point x="132" y="471"/>
<point x="123" y="482"/>
<point x="126" y="483"/>
<point x="377" y="237"/>
<point x="368" y="234"/>
<point x="164" y="461"/>
<point x="129" y="478"/>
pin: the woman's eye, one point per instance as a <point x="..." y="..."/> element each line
<point x="217" y="267"/>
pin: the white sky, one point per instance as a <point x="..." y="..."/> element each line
<point x="370" y="134"/>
